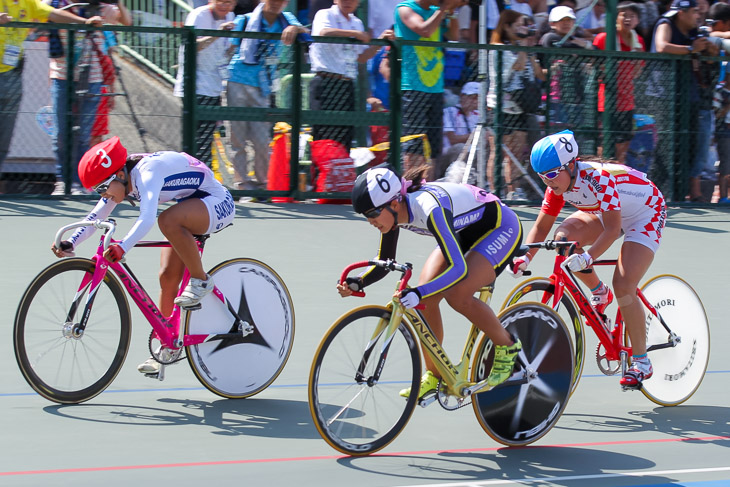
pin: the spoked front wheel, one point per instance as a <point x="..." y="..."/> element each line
<point x="354" y="413"/>
<point x="524" y="408"/>
<point x="61" y="362"/>
<point x="233" y="362"/>
<point x="678" y="370"/>
<point x="542" y="289"/>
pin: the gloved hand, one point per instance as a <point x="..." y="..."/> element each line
<point x="519" y="265"/>
<point x="410" y="298"/>
<point x="578" y="262"/>
<point x="354" y="283"/>
<point x="114" y="253"/>
<point x="66" y="249"/>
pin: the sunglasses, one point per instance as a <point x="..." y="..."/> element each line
<point x="374" y="213"/>
<point x="103" y="186"/>
<point x="550" y="175"/>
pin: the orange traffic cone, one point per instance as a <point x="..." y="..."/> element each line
<point x="278" y="176"/>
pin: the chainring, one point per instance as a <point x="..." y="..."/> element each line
<point x="606" y="366"/>
<point x="162" y="354"/>
<point x="445" y="399"/>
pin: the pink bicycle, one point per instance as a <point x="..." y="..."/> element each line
<point x="73" y="325"/>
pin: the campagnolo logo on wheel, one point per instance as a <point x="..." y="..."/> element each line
<point x="537" y="429"/>
<point x="530" y="313"/>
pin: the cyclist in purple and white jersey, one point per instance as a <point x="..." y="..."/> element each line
<point x="203" y="206"/>
<point x="477" y="236"/>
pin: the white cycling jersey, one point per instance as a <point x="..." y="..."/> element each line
<point x="159" y="178"/>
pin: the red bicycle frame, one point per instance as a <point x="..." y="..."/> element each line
<point x="563" y="279"/>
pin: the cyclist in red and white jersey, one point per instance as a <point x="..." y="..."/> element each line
<point x="203" y="206"/>
<point x="612" y="199"/>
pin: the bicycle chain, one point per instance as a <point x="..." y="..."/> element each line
<point x="176" y="355"/>
<point x="443" y="397"/>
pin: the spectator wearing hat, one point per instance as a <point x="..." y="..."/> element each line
<point x="459" y="122"/>
<point x="568" y="72"/>
<point x="676" y="33"/>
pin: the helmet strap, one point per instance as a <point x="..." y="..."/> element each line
<point x="395" y="215"/>
<point x="573" y="173"/>
<point x="125" y="182"/>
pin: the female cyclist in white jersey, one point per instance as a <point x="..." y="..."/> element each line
<point x="611" y="199"/>
<point x="477" y="236"/>
<point x="203" y="206"/>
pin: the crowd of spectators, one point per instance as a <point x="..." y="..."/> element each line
<point x="444" y="107"/>
<point x="435" y="102"/>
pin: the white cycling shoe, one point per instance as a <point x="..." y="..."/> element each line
<point x="194" y="292"/>
<point x="149" y="366"/>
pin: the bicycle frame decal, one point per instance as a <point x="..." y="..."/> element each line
<point x="432" y="344"/>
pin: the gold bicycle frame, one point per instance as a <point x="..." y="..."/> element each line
<point x="453" y="376"/>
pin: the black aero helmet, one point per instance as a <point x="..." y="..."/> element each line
<point x="374" y="188"/>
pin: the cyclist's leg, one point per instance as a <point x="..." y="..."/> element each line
<point x="171" y="272"/>
<point x="461" y="298"/>
<point x="435" y="265"/>
<point x="178" y="224"/>
<point x="633" y="262"/>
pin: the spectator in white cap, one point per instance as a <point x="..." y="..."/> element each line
<point x="459" y="122"/>
<point x="568" y="105"/>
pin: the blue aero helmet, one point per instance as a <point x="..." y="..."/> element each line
<point x="553" y="151"/>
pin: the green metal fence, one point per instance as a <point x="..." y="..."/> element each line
<point x="670" y="94"/>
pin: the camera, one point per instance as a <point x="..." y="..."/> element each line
<point x="531" y="31"/>
<point x="703" y="31"/>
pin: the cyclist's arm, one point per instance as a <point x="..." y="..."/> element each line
<point x="611" y="231"/>
<point x="149" y="193"/>
<point x="540" y="230"/>
<point x="101" y="211"/>
<point x="388" y="244"/>
<point x="440" y="224"/>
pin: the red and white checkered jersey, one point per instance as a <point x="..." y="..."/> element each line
<point x="603" y="187"/>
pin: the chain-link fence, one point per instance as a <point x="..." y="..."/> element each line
<point x="346" y="101"/>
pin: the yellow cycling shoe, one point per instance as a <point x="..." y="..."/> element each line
<point x="429" y="383"/>
<point x="504" y="362"/>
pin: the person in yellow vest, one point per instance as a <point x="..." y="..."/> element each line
<point x="11" y="56"/>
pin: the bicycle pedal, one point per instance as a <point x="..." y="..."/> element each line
<point x="194" y="307"/>
<point x="637" y="387"/>
<point x="427" y="399"/>
<point x="154" y="375"/>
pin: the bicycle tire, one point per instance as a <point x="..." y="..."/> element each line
<point x="353" y="417"/>
<point x="241" y="367"/>
<point x="520" y="412"/>
<point x="678" y="371"/>
<point x="57" y="366"/>
<point x="569" y="312"/>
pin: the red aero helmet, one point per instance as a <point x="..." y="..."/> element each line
<point x="101" y="161"/>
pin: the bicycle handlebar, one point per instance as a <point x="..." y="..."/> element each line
<point x="388" y="264"/>
<point x="554" y="245"/>
<point x="109" y="225"/>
